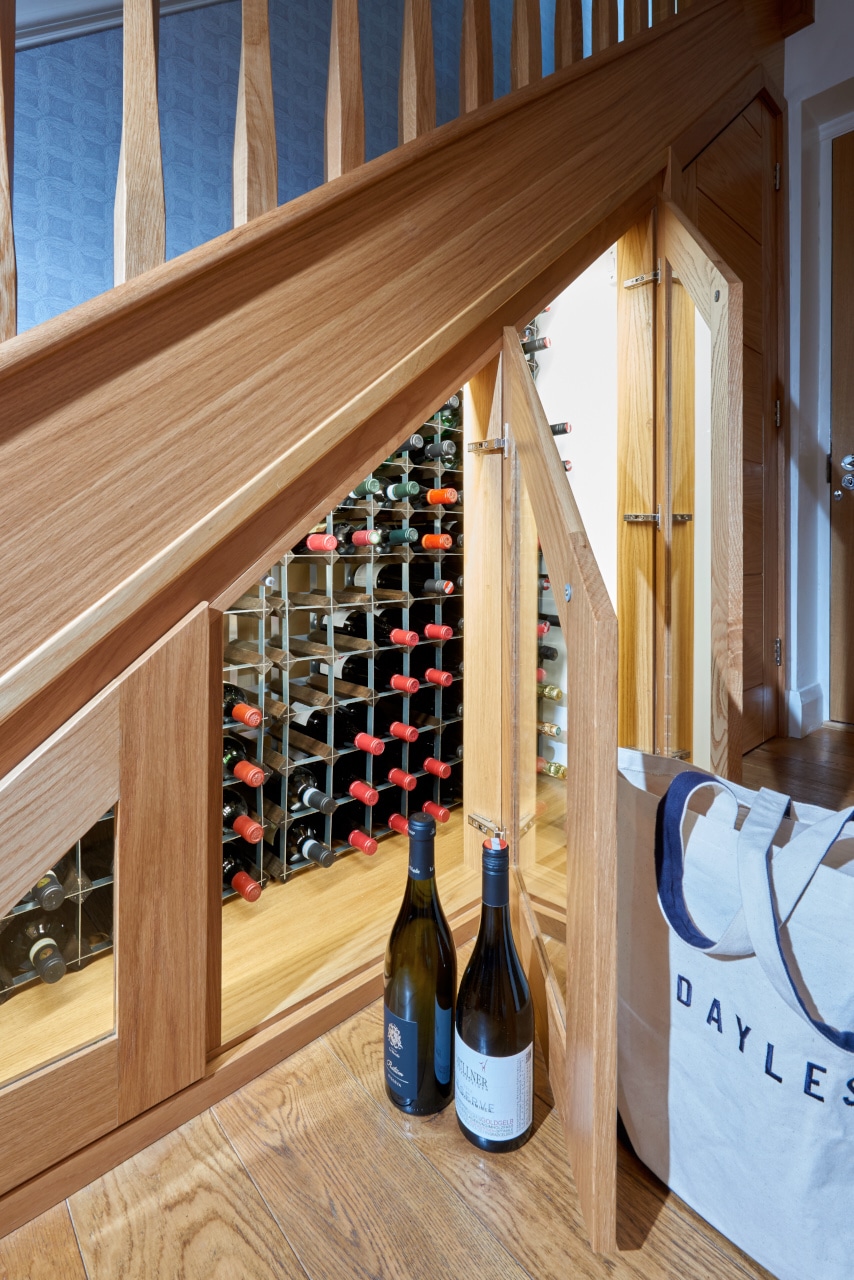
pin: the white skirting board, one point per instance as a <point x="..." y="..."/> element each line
<point x="806" y="710"/>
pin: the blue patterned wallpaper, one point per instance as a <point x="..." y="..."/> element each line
<point x="68" y="127"/>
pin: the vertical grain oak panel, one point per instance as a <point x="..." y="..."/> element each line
<point x="161" y="868"/>
<point x="139" y="222"/>
<point x="589" y="624"/>
<point x="476" y="76"/>
<point x="635" y="17"/>
<point x="636" y="487"/>
<point x="345" y="104"/>
<point x="569" y="33"/>
<point x="526" y="44"/>
<point x="8" y="268"/>
<point x="416" y="103"/>
<point x="255" y="173"/>
<point x="603" y="25"/>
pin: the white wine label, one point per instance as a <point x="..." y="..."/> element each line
<point x="401" y="1054"/>
<point x="494" y="1096"/>
<point x="365" y="574"/>
<point x="337" y="667"/>
<point x="301" y="713"/>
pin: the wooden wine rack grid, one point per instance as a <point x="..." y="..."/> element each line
<point x="275" y="649"/>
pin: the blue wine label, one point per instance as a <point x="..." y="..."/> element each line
<point x="444" y="1035"/>
<point x="401" y="1054"/>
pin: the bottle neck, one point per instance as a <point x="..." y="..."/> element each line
<point x="495" y="912"/>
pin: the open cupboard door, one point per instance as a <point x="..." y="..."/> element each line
<point x="560" y="821"/>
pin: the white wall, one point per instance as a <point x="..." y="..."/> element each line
<point x="819" y="87"/>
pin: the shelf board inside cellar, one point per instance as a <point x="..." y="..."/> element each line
<point x="42" y="1024"/>
<point x="303" y="936"/>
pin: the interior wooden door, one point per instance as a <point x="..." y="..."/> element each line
<point x="842" y="436"/>
<point x="102" y="894"/>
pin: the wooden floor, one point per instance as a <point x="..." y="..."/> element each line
<point x="309" y="1172"/>
<point x="818" y="769"/>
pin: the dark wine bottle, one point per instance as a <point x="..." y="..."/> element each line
<point x="350" y="535"/>
<point x="316" y="543"/>
<point x="346" y="831"/>
<point x="387" y="626"/>
<point x="236" y="707"/>
<point x="236" y="877"/>
<point x="346" y="727"/>
<point x="367" y="489"/>
<point x="303" y="845"/>
<point x="419" y="981"/>
<point x="235" y="814"/>
<point x="48" y="892"/>
<point x="444" y="497"/>
<point x="387" y="813"/>
<point x="393" y="536"/>
<point x="423" y="665"/>
<point x="547" y="653"/>
<point x="235" y="760"/>
<point x="443" y="451"/>
<point x="394" y="771"/>
<point x="530" y="345"/>
<point x="387" y="675"/>
<point x="35" y="941"/>
<point x="411" y="443"/>
<point x="560" y="428"/>
<point x="402" y="491"/>
<point x="494" y="1044"/>
<point x="422" y="618"/>
<point x="350" y="784"/>
<point x="424" y="580"/>
<point x="388" y="721"/>
<point x="304" y="791"/>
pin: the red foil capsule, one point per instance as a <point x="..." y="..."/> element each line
<point x="404" y="684"/>
<point x="438" y="631"/>
<point x="439" y="768"/>
<point x="251" y="774"/>
<point x="441" y="497"/>
<point x="398" y="636"/>
<point x="365" y="742"/>
<point x="401" y="779"/>
<point x="247" y="827"/>
<point x="363" y="791"/>
<point x="405" y="732"/>
<point x="363" y="538"/>
<point x="442" y="678"/>
<point x="247" y="714"/>
<point x="543" y="628"/>
<point x="321" y="542"/>
<point x="542" y="675"/>
<point x="437" y="542"/>
<point x="437" y="811"/>
<point x="361" y="840"/>
<point x="398" y="823"/>
<point x="249" y="889"/>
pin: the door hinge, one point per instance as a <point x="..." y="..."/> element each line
<point x="778" y="651"/>
<point x="485" y="827"/>
<point x="778" y="413"/>
<point x="644" y="517"/>
<point x="497" y="445"/>
<point x="777" y="176"/>
<point x="651" y="277"/>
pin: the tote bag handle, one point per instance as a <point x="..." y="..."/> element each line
<point x="766" y="901"/>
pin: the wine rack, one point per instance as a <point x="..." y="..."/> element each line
<point x="77" y="895"/>
<point x="290" y="645"/>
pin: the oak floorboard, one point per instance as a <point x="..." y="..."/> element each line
<point x="45" y="1249"/>
<point x="185" y="1207"/>
<point x="818" y="769"/>
<point x="527" y="1198"/>
<point x="353" y="1196"/>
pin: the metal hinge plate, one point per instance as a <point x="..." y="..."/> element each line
<point x="644" y="517"/>
<point x="652" y="277"/>
<point x="497" y="445"/>
<point x="777" y="176"/>
<point x="778" y="413"/>
<point x="527" y="824"/>
<point x="778" y="651"/>
<point x="485" y="827"/>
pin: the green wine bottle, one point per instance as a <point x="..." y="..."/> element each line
<point x="420" y="979"/>
<point x="494" y="1046"/>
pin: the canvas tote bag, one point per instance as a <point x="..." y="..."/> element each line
<point x="736" y="1009"/>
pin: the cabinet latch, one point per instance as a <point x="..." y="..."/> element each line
<point x="497" y="445"/>
<point x="485" y="827"/>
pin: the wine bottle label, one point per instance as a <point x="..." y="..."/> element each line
<point x="494" y="1096"/>
<point x="301" y="713"/>
<point x="401" y="1053"/>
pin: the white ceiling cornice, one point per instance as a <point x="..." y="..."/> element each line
<point x="43" y="21"/>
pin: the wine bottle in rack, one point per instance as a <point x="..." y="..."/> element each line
<point x="388" y="812"/>
<point x="422" y="619"/>
<point x="412" y="444"/>
<point x="548" y="728"/>
<point x="235" y="816"/>
<point x="388" y="674"/>
<point x="304" y="844"/>
<point x="365" y="491"/>
<point x="358" y="837"/>
<point x="532" y="345"/>
<point x="236" y="876"/>
<point x="48" y="892"/>
<point x="236" y="761"/>
<point x="560" y="428"/>
<point x="355" y="535"/>
<point x="389" y="720"/>
<point x="419" y="981"/>
<point x="452" y="703"/>
<point x="442" y="451"/>
<point x="439" y="496"/>
<point x="424" y="798"/>
<point x="35" y="943"/>
<point x="303" y="792"/>
<point x="547" y="653"/>
<point x="494" y="1044"/>
<point x="349" y="723"/>
<point x="551" y="768"/>
<point x="236" y="705"/>
<point x="388" y="626"/>
<point x="550" y="691"/>
<point x="401" y="490"/>
<point x="349" y="783"/>
<point x="424" y="580"/>
<point x="393" y="536"/>
<point x="422" y="665"/>
<point x="393" y="769"/>
<point x="318" y="543"/>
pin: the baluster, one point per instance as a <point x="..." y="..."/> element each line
<point x="569" y="34"/>
<point x="635" y="16"/>
<point x="603" y="25"/>
<point x="416" y="105"/>
<point x="662" y="9"/>
<point x="140" y="212"/>
<point x="255" y="174"/>
<point x="476" y="80"/>
<point x="8" y="269"/>
<point x="526" y="44"/>
<point x="345" y="104"/>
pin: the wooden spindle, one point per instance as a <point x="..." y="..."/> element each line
<point x="635" y="17"/>
<point x="416" y="104"/>
<point x="662" y="9"/>
<point x="526" y="44"/>
<point x="255" y="173"/>
<point x="476" y="79"/>
<point x="8" y="269"/>
<point x="603" y="25"/>
<point x="345" y="104"/>
<point x="140" y="212"/>
<point x="569" y="33"/>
